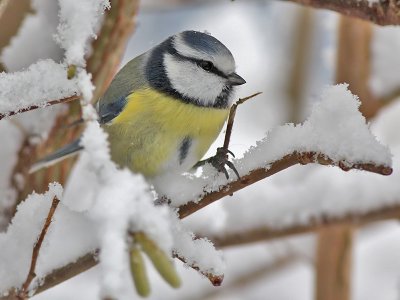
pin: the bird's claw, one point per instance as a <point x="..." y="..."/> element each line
<point x="220" y="159"/>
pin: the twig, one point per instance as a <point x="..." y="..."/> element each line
<point x="23" y="294"/>
<point x="231" y="118"/>
<point x="216" y="280"/>
<point x="384" y="12"/>
<point x="33" y="107"/>
<point x="275" y="167"/>
<point x="58" y="276"/>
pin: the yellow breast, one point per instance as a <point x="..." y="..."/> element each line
<point x="146" y="136"/>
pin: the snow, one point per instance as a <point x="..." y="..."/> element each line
<point x="102" y="203"/>
<point x="35" y="34"/>
<point x="122" y="203"/>
<point x="79" y="22"/>
<point x="18" y="241"/>
<point x="197" y="252"/>
<point x="41" y="82"/>
<point x="335" y="128"/>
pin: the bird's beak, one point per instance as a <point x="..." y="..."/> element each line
<point x="235" y="79"/>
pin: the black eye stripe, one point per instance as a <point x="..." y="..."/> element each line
<point x="213" y="69"/>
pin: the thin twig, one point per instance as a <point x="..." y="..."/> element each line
<point x="216" y="280"/>
<point x="231" y="118"/>
<point x="33" y="107"/>
<point x="23" y="294"/>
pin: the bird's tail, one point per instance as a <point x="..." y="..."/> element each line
<point x="59" y="155"/>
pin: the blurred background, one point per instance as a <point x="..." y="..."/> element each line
<point x="290" y="53"/>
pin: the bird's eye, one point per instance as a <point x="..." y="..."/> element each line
<point x="206" y="65"/>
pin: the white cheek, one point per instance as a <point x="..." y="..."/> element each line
<point x="192" y="81"/>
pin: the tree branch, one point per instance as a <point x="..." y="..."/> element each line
<point x="23" y="294"/>
<point x="216" y="280"/>
<point x="277" y="166"/>
<point x="33" y="107"/>
<point x="89" y="260"/>
<point x="385" y="12"/>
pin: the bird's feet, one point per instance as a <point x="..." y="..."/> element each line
<point x="219" y="161"/>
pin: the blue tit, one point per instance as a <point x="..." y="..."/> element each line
<point x="164" y="108"/>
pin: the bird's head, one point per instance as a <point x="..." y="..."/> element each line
<point x="194" y="67"/>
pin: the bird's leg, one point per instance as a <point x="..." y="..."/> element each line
<point x="219" y="160"/>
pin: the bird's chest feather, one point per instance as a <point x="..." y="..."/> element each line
<point x="155" y="133"/>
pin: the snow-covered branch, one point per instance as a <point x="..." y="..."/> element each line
<point x="277" y="166"/>
<point x="23" y="293"/>
<point x="20" y="91"/>
<point x="36" y="106"/>
<point x="334" y="134"/>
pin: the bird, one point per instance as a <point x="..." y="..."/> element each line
<point x="165" y="107"/>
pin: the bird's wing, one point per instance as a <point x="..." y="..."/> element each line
<point x="128" y="80"/>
